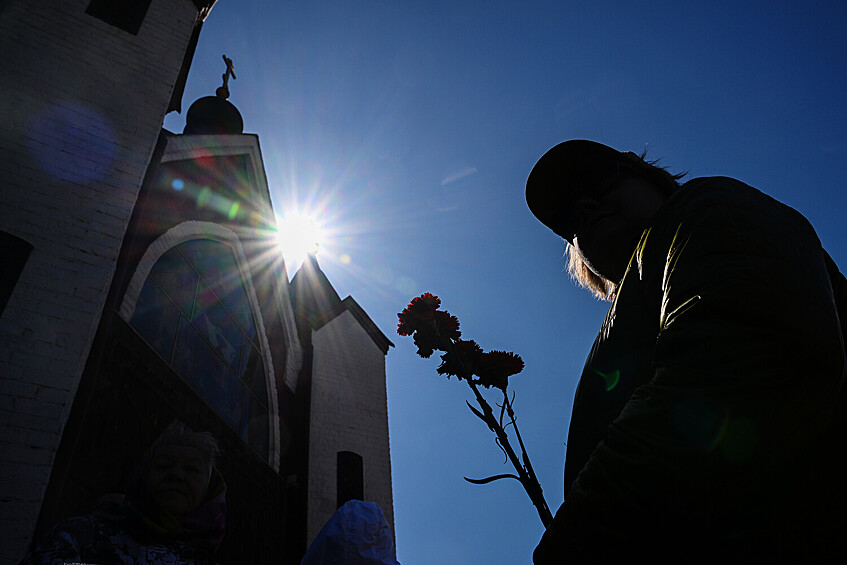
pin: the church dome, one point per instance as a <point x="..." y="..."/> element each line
<point x="213" y="115"/>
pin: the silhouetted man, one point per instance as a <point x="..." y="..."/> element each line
<point x="708" y="424"/>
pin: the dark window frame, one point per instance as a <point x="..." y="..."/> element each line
<point x="349" y="477"/>
<point x="14" y="255"/>
<point x="127" y="15"/>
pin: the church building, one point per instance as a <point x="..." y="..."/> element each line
<point x="143" y="283"/>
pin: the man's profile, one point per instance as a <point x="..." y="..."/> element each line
<point x="721" y="436"/>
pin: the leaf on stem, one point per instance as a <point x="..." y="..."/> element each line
<point x="477" y="412"/>
<point x="492" y="479"/>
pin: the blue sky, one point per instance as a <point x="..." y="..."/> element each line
<point x="409" y="128"/>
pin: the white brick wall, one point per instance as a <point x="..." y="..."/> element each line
<point x="82" y="104"/>
<point x="349" y="412"/>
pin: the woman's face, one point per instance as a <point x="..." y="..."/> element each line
<point x="179" y="477"/>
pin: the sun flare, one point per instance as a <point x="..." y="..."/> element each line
<point x="299" y="235"/>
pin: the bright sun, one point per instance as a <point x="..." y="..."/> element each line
<point x="299" y="235"/>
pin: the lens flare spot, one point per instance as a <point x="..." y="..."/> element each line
<point x="610" y="380"/>
<point x="204" y="197"/>
<point x="233" y="210"/>
<point x="345" y="259"/>
<point x="177" y="184"/>
<point x="384" y="275"/>
<point x="73" y="142"/>
<point x="405" y="285"/>
<point x="741" y="441"/>
<point x="700" y="423"/>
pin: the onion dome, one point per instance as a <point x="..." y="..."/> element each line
<point x="215" y="114"/>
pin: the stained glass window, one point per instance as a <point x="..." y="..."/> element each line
<point x="194" y="312"/>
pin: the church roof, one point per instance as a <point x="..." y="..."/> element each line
<point x="311" y="292"/>
<point x="316" y="303"/>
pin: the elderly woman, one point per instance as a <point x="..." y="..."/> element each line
<point x="173" y="512"/>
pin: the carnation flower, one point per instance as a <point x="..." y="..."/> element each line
<point x="448" y="326"/>
<point x="466" y="352"/>
<point x="427" y="343"/>
<point x="435" y="329"/>
<point x="418" y="313"/>
<point x="425" y="305"/>
<point x="495" y="367"/>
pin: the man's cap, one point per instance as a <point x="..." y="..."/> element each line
<point x="564" y="173"/>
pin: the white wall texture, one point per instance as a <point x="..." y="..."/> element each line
<point x="349" y="412"/>
<point x="82" y="104"/>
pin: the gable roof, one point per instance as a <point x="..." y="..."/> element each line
<point x="316" y="303"/>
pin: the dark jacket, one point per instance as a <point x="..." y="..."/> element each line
<point x="708" y="425"/>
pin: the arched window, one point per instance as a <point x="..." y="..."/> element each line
<point x="194" y="312"/>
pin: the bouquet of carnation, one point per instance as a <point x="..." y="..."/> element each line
<point x="436" y="330"/>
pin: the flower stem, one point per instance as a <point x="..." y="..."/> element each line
<point x="526" y="474"/>
<point x="532" y="482"/>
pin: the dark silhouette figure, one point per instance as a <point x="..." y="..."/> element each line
<point x="173" y="512"/>
<point x="709" y="421"/>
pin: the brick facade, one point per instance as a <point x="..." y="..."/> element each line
<point x="78" y="133"/>
<point x="348" y="413"/>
